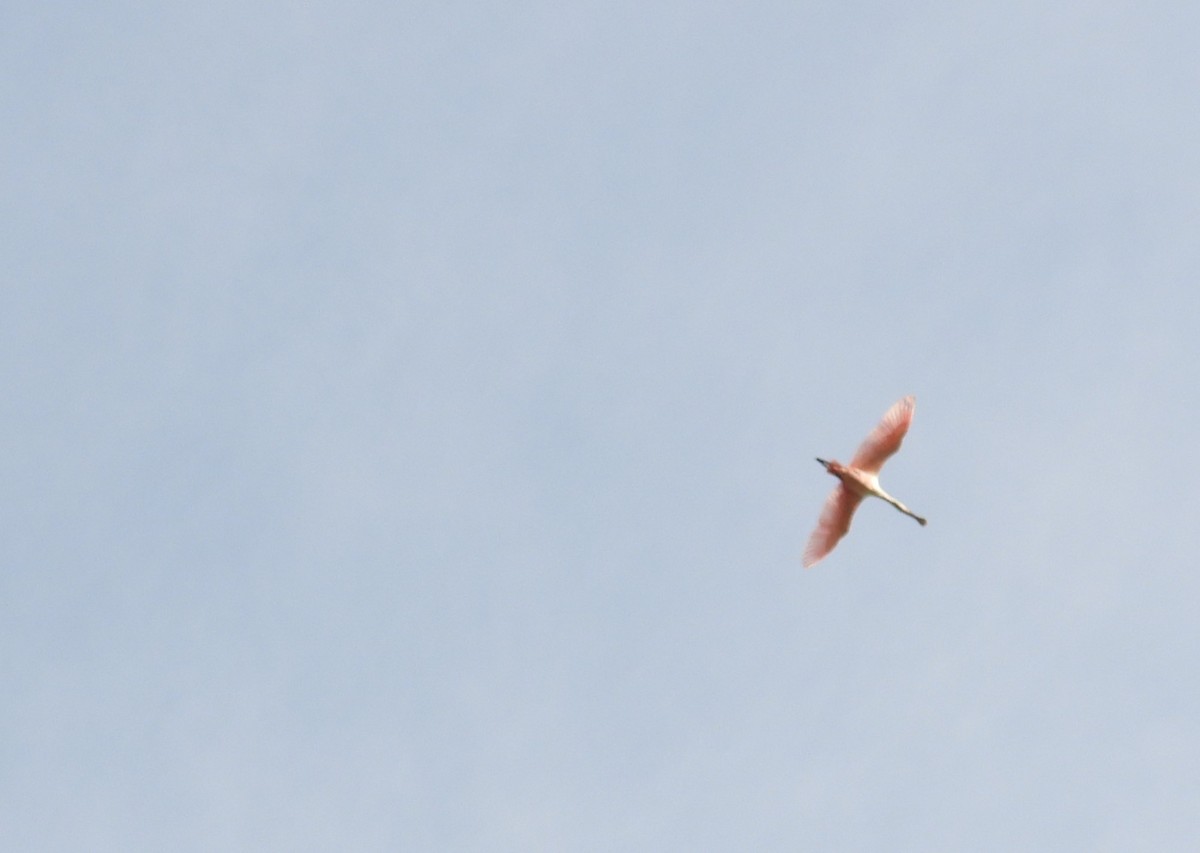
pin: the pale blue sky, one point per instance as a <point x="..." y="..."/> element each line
<point x="411" y="412"/>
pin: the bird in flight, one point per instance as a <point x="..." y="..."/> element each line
<point x="860" y="479"/>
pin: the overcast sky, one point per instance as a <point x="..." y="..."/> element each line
<point x="410" y="412"/>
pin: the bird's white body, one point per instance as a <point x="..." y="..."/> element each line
<point x="867" y="484"/>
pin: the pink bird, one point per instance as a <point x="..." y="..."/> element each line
<point x="860" y="479"/>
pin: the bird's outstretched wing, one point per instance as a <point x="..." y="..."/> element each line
<point x="885" y="439"/>
<point x="835" y="521"/>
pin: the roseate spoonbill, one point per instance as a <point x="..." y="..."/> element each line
<point x="860" y="479"/>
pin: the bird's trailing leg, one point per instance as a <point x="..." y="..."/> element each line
<point x="921" y="521"/>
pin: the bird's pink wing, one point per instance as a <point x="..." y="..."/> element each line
<point x="835" y="521"/>
<point x="885" y="439"/>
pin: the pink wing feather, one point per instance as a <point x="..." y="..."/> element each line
<point x="885" y="439"/>
<point x="835" y="521"/>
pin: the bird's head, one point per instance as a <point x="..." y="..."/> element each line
<point x="831" y="467"/>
